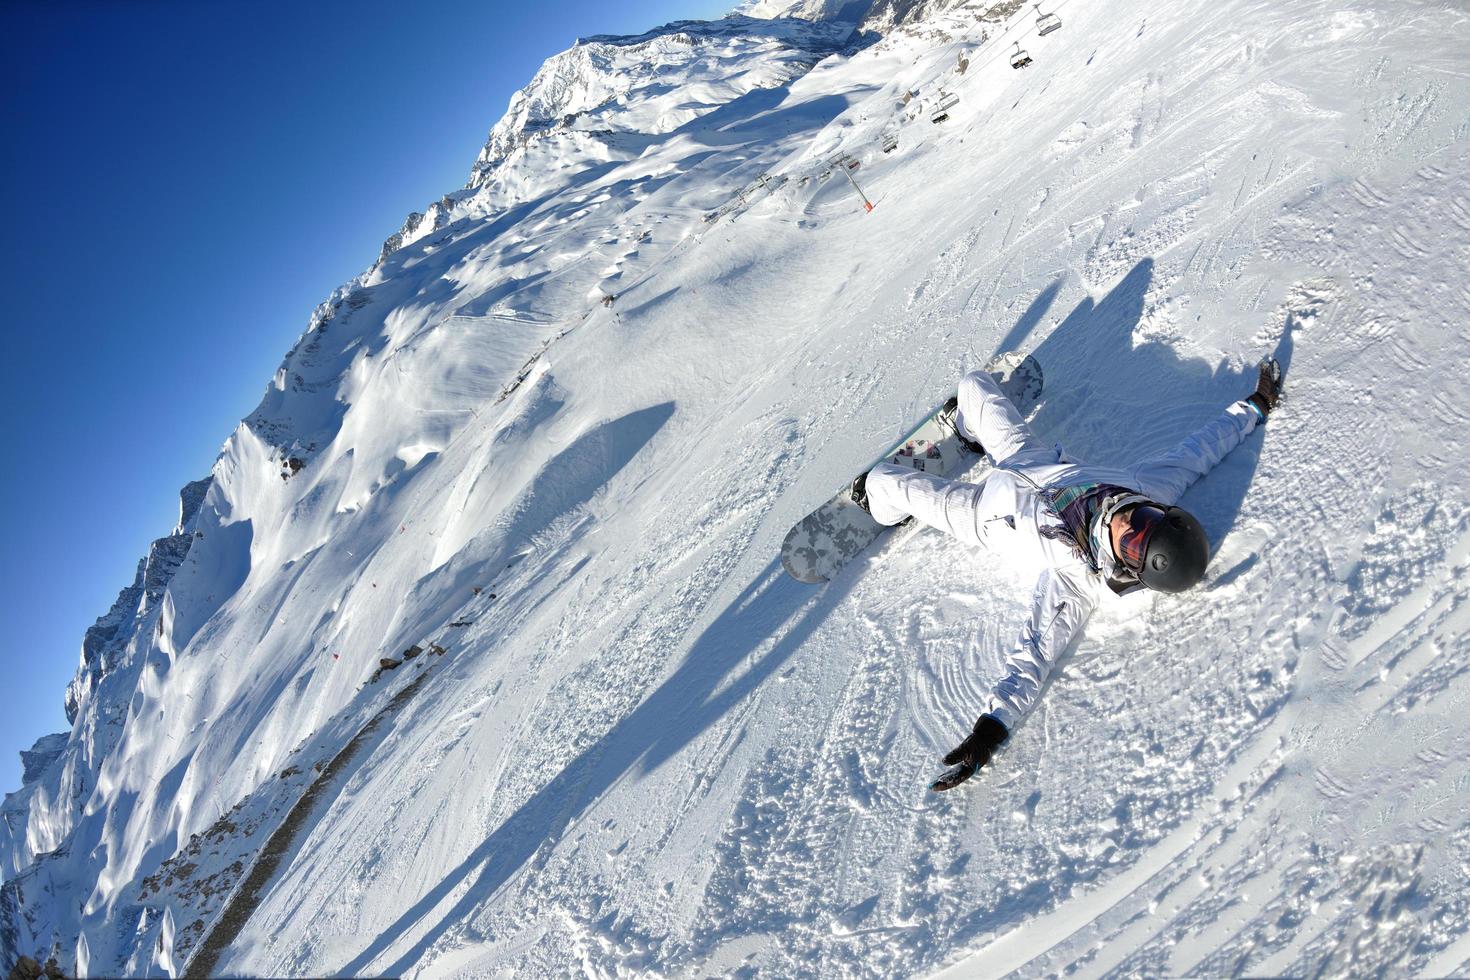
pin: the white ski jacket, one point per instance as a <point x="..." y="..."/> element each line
<point x="1068" y="588"/>
<point x="1009" y="511"/>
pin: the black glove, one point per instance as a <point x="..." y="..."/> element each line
<point x="972" y="753"/>
<point x="1268" y="387"/>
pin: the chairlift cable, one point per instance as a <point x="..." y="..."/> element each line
<point x="997" y="51"/>
<point x="1018" y="23"/>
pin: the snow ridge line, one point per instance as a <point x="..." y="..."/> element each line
<point x="237" y="912"/>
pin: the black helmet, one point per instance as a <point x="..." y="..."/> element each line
<point x="1175" y="552"/>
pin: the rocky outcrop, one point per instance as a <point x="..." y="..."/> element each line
<point x="421" y="223"/>
<point x="887" y="15"/>
<point x="106" y="639"/>
<point x="27" y="968"/>
<point x="870" y="16"/>
<point x="35" y="760"/>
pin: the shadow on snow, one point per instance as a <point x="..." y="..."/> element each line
<point x="700" y="692"/>
<point x="1112" y="398"/>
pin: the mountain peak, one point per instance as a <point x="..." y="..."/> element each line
<point x="849" y="11"/>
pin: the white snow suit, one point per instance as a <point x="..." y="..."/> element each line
<point x="1011" y="513"/>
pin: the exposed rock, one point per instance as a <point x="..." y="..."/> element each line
<point x="25" y="969"/>
<point x="388" y="663"/>
<point x="412" y="652"/>
<point x="105" y="640"/>
<point x="418" y="224"/>
<point x="35" y="760"/>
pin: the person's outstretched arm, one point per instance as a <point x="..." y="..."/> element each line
<point x="1059" y="607"/>
<point x="1164" y="478"/>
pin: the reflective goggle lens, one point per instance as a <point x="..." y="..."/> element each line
<point x="1133" y="542"/>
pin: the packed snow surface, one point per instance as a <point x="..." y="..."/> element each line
<point x="474" y="657"/>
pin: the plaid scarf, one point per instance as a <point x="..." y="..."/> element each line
<point x="1077" y="506"/>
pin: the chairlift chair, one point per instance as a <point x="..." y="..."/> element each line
<point x="1046" y="23"/>
<point x="890" y="141"/>
<point x="946" y="102"/>
<point x="1019" y="57"/>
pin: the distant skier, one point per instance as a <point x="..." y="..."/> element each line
<point x="1085" y="530"/>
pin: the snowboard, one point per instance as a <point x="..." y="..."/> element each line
<point x="835" y="533"/>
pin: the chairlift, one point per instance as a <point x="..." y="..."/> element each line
<point x="1019" y="57"/>
<point x="1046" y="23"/>
<point x="890" y="141"/>
<point x="947" y="101"/>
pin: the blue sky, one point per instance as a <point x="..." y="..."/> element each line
<point x="182" y="183"/>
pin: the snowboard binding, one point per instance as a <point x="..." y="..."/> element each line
<point x="949" y="418"/>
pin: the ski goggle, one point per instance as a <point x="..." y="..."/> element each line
<point x="1133" y="542"/>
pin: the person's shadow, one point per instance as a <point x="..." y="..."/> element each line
<point x="1111" y="400"/>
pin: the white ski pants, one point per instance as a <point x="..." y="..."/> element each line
<point x="961" y="510"/>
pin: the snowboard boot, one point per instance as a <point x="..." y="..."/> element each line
<point x="949" y="417"/>
<point x="859" y="491"/>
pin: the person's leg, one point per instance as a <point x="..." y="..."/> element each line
<point x="896" y="492"/>
<point x="987" y="416"/>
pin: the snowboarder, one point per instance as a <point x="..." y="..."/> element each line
<point x="1085" y="530"/>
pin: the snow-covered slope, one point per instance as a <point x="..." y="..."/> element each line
<point x="541" y="456"/>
